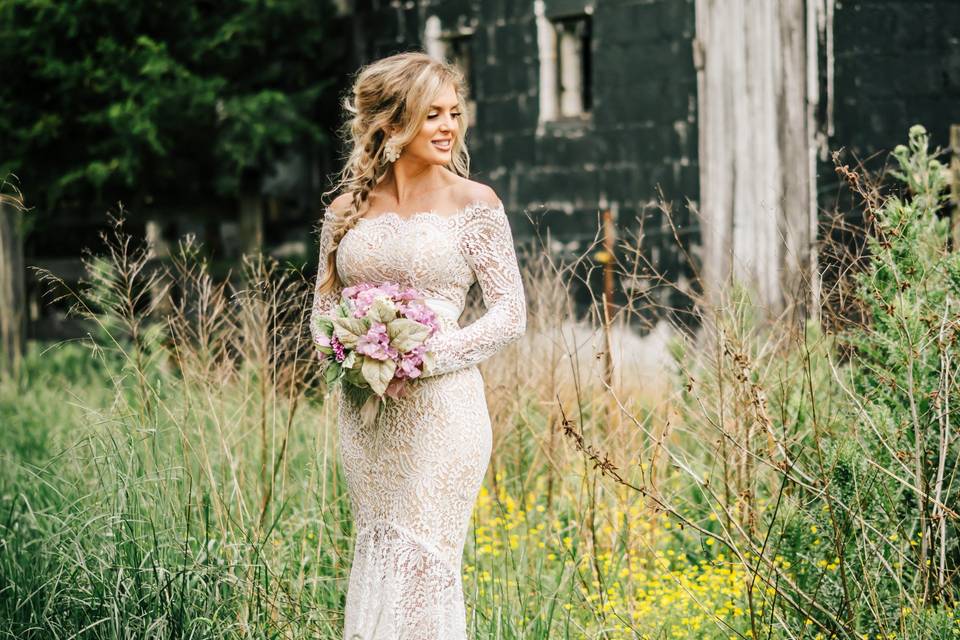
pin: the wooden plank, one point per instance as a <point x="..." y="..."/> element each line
<point x="755" y="148"/>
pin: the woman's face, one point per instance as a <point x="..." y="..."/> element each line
<point x="434" y="143"/>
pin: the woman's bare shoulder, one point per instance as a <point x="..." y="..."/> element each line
<point x="471" y="192"/>
<point x="342" y="202"/>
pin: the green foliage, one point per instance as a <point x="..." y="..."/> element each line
<point x="904" y="369"/>
<point x="154" y="100"/>
<point x="849" y="464"/>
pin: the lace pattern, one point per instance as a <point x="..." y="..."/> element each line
<point x="413" y="476"/>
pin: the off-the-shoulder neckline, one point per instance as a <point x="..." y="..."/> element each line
<point x="475" y="204"/>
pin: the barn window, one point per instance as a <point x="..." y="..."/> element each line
<point x="573" y="64"/>
<point x="564" y="44"/>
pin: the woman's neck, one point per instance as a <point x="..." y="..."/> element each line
<point x="408" y="182"/>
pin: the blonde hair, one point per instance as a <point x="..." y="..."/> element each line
<point x="394" y="92"/>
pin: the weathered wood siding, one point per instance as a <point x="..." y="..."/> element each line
<point x="756" y="141"/>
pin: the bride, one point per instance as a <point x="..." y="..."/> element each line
<point x="407" y="213"/>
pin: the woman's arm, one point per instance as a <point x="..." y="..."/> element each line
<point x="487" y="243"/>
<point x="323" y="302"/>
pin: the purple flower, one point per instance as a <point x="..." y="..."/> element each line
<point x="375" y="343"/>
<point x="338" y="353"/>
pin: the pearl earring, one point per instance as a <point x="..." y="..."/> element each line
<point x="391" y="150"/>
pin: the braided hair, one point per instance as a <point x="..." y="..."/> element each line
<point x="392" y="93"/>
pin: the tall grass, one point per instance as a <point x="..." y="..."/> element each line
<point x="769" y="479"/>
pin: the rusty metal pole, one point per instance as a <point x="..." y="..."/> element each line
<point x="609" y="237"/>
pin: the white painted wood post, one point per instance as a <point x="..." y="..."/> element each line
<point x="433" y="42"/>
<point x="758" y="142"/>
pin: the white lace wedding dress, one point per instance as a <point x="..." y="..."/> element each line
<point x="413" y="477"/>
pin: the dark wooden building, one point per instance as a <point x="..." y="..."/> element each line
<point x="578" y="107"/>
<point x="586" y="105"/>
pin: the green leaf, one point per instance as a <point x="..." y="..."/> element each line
<point x="357" y="395"/>
<point x="184" y="108"/>
<point x="405" y="334"/>
<point x="354" y="376"/>
<point x="332" y="372"/>
<point x="324" y="324"/>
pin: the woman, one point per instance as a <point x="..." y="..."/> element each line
<point x="408" y="214"/>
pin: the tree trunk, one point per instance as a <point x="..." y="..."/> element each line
<point x="955" y="184"/>
<point x="757" y="147"/>
<point x="250" y="214"/>
<point x="12" y="298"/>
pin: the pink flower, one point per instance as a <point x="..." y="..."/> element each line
<point x="376" y="343"/>
<point x="408" y="369"/>
<point x="410" y="365"/>
<point x="396" y="388"/>
<point x="389" y="289"/>
<point x="363" y="300"/>
<point x="419" y="312"/>
<point x="409" y="294"/>
<point x="349" y="292"/>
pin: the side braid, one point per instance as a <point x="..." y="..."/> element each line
<point x="365" y="180"/>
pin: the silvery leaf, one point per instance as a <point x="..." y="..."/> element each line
<point x="378" y="373"/>
<point x="349" y="330"/>
<point x="405" y="334"/>
<point x="382" y="311"/>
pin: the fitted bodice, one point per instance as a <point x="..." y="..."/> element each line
<point x="440" y="255"/>
<point x="420" y="251"/>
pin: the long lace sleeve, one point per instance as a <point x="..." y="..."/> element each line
<point x="486" y="242"/>
<point x="323" y="302"/>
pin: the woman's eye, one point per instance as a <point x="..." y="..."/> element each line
<point x="434" y="115"/>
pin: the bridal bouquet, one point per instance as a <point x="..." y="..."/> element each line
<point x="374" y="340"/>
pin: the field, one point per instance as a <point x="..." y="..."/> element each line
<point x="176" y="475"/>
